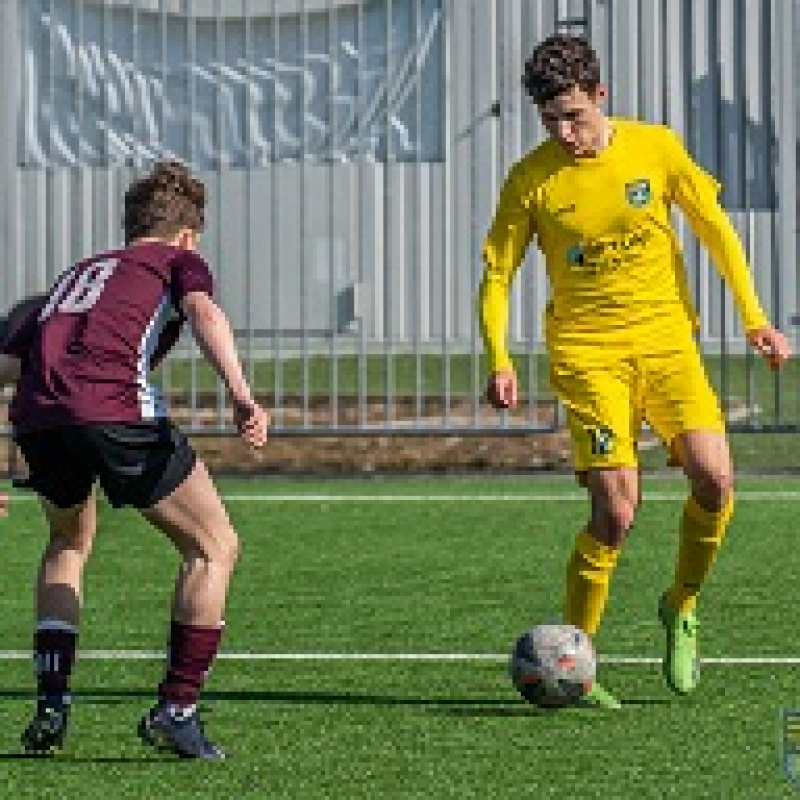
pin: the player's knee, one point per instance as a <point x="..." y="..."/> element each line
<point x="614" y="521"/>
<point x="713" y="485"/>
<point x="621" y="514"/>
<point x="234" y="548"/>
<point x="227" y="547"/>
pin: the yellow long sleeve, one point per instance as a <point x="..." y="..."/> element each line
<point x="697" y="195"/>
<point x="503" y="251"/>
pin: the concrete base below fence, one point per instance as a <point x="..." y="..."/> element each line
<point x="371" y="454"/>
<point x="353" y="455"/>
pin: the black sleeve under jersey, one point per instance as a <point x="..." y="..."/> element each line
<point x="18" y="327"/>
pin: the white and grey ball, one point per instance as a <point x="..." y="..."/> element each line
<point x="553" y="666"/>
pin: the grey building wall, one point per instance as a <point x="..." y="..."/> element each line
<point x="354" y="150"/>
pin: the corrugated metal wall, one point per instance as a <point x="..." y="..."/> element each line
<point x="354" y="150"/>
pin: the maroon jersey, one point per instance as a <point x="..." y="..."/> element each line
<point x="87" y="353"/>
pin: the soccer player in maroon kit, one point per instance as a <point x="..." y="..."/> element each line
<point x="85" y="411"/>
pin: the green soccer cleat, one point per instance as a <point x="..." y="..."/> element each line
<point x="598" y="697"/>
<point x="681" y="667"/>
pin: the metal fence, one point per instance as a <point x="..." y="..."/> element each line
<point x="354" y="150"/>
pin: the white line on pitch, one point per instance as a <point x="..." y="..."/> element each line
<point x="143" y="655"/>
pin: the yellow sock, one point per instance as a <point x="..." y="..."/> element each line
<point x="702" y="533"/>
<point x="588" y="575"/>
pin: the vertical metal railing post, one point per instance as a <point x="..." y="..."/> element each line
<point x="249" y="166"/>
<point x="275" y="282"/>
<point x="475" y="121"/>
<point x="415" y="288"/>
<point x="330" y="168"/>
<point x="304" y="268"/>
<point x="449" y="206"/>
<point x="785" y="229"/>
<point x="386" y="223"/>
<point x="771" y="112"/>
<point x="362" y="373"/>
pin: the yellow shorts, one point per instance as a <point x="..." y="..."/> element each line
<point x="608" y="394"/>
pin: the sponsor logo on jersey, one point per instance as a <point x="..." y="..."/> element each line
<point x="607" y="252"/>
<point x="602" y="441"/>
<point x="575" y="254"/>
<point x="637" y="193"/>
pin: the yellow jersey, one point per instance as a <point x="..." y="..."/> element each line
<point x="604" y="225"/>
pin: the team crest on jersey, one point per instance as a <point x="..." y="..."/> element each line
<point x="637" y="193"/>
<point x="575" y="254"/>
<point x="602" y="441"/>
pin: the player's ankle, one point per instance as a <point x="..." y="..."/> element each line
<point x="177" y="711"/>
<point x="54" y="702"/>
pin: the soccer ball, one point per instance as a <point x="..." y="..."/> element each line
<point x="553" y="666"/>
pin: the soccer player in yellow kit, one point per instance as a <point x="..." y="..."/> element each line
<point x="620" y="327"/>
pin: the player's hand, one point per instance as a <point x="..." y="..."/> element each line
<point x="502" y="389"/>
<point x="252" y="422"/>
<point x="771" y="343"/>
<point x="3" y="504"/>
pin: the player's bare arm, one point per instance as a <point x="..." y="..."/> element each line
<point x="215" y="337"/>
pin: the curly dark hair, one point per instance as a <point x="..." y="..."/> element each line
<point x="163" y="202"/>
<point x="557" y="64"/>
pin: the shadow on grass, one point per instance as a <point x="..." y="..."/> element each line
<point x="506" y="711"/>
<point x="65" y="758"/>
<point x="459" y="709"/>
<point x="450" y="706"/>
<point x="118" y="696"/>
<point x="650" y="701"/>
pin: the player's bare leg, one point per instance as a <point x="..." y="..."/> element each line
<point x="706" y="461"/>
<point x="59" y="584"/>
<point x="195" y="520"/>
<point x="58" y="603"/>
<point x="615" y="497"/>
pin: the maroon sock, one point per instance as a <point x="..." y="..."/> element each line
<point x="54" y="645"/>
<point x="191" y="650"/>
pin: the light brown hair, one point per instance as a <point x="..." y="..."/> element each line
<point x="164" y="202"/>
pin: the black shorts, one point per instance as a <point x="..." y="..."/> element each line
<point x="137" y="464"/>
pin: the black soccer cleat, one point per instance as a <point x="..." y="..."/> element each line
<point x="182" y="734"/>
<point x="47" y="729"/>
